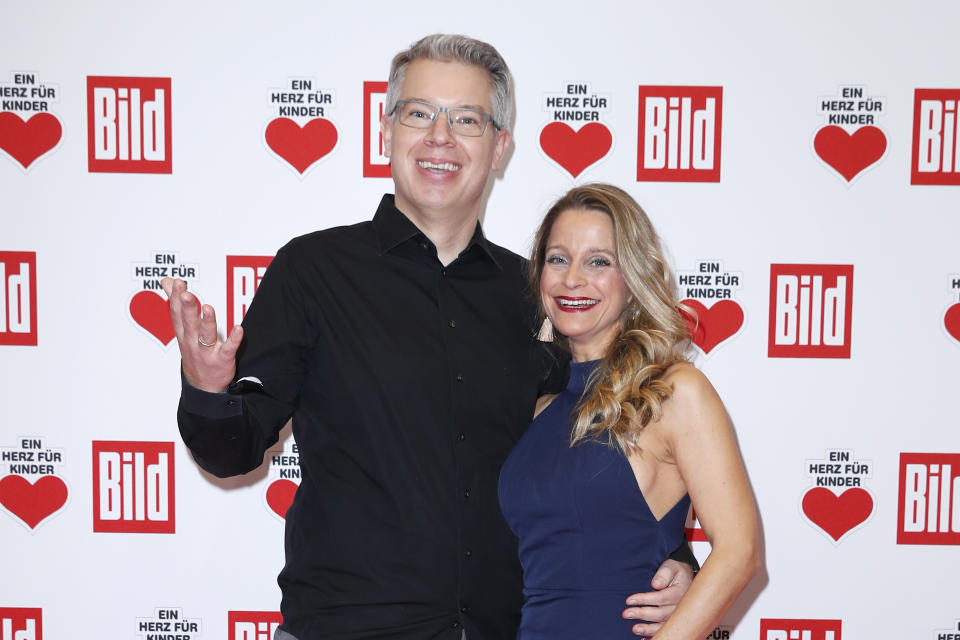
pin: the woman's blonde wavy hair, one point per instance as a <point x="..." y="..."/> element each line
<point x="627" y="390"/>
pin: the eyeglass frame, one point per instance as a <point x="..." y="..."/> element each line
<point x="487" y="117"/>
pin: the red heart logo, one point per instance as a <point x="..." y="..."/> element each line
<point x="713" y="325"/>
<point x="837" y="514"/>
<point x="34" y="502"/>
<point x="280" y="496"/>
<point x="151" y="311"/>
<point x="301" y="147"/>
<point x="850" y="154"/>
<point x="575" y="150"/>
<point x="952" y="321"/>
<point x="27" y="141"/>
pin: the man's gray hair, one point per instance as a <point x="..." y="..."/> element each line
<point x="457" y="48"/>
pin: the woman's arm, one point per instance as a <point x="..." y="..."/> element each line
<point x="700" y="437"/>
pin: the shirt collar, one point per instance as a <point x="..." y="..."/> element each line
<point x="393" y="228"/>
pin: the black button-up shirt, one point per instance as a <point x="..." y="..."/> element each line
<point x="408" y="382"/>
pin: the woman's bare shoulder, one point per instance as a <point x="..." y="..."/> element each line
<point x="691" y="388"/>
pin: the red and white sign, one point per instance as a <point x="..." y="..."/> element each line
<point x="811" y="310"/>
<point x="133" y="487"/>
<point x="27" y="128"/>
<point x="149" y="308"/>
<point x="707" y="291"/>
<point x="285" y="479"/>
<point x="252" y="625"/>
<point x="375" y="164"/>
<point x="18" y="298"/>
<point x="679" y="134"/>
<point x="30" y="489"/>
<point x="929" y="503"/>
<point x="575" y="138"/>
<point x="129" y="125"/>
<point x="19" y="623"/>
<point x="791" y="629"/>
<point x="301" y="134"/>
<point x="851" y="141"/>
<point x="839" y="503"/>
<point x="243" y="277"/>
<point x="936" y="152"/>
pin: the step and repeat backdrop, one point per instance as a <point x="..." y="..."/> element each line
<point x="801" y="161"/>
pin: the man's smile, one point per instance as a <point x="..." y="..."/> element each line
<point x="438" y="166"/>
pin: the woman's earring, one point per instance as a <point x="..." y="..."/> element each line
<point x="546" y="331"/>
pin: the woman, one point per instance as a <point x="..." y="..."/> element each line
<point x="599" y="487"/>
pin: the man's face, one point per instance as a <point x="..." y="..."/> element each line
<point x="436" y="172"/>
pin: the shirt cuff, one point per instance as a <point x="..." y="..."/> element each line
<point x="209" y="405"/>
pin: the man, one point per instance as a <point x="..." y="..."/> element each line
<point x="402" y="349"/>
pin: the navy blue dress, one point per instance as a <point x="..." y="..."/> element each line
<point x="587" y="537"/>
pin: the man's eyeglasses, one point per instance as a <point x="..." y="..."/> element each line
<point x="421" y="115"/>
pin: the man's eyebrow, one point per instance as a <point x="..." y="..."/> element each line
<point x="475" y="107"/>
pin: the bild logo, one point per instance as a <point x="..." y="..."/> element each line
<point x="929" y="500"/>
<point x="129" y="125"/>
<point x="243" y="277"/>
<point x="936" y="152"/>
<point x="679" y="134"/>
<point x="795" y="629"/>
<point x="19" y="623"/>
<point x="375" y="164"/>
<point x="811" y="309"/>
<point x="252" y="625"/>
<point x="133" y="487"/>
<point x="18" y="298"/>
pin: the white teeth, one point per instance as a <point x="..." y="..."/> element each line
<point x="577" y="303"/>
<point x="438" y="166"/>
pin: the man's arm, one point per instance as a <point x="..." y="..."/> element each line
<point x="237" y="394"/>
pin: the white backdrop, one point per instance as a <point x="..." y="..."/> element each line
<point x="85" y="376"/>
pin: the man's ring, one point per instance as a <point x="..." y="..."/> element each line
<point x="211" y="344"/>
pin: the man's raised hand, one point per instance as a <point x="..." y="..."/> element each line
<point x="208" y="363"/>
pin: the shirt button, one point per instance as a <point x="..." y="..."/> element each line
<point x="456" y="624"/>
<point x="231" y="403"/>
<point x="466" y="494"/>
<point x="464" y="609"/>
<point x="468" y="553"/>
<point x="462" y="437"/>
<point x="453" y="324"/>
<point x="459" y="378"/>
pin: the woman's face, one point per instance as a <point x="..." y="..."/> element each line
<point x="581" y="288"/>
